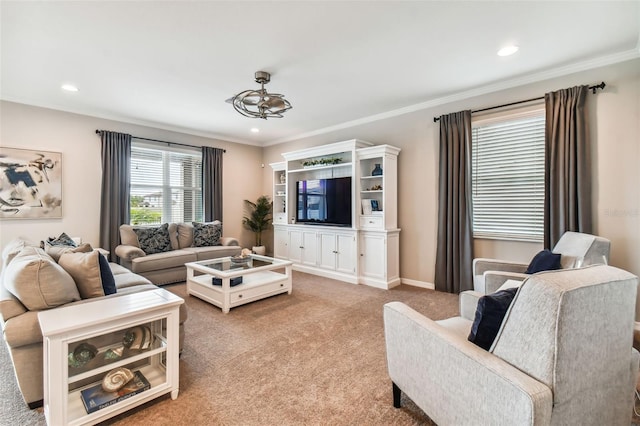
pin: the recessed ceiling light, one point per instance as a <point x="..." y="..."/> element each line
<point x="69" y="88"/>
<point x="508" y="50"/>
<point x="255" y="130"/>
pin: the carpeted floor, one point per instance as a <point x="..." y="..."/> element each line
<point x="313" y="357"/>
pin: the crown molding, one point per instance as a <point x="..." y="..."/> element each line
<point x="484" y="90"/>
<point x="129" y="120"/>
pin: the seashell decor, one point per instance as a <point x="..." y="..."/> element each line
<point x="137" y="338"/>
<point x="116" y="379"/>
<point x="82" y="354"/>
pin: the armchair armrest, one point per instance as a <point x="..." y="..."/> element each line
<point x="481" y="265"/>
<point x="455" y="381"/>
<point x="469" y="303"/>
<point x="494" y="279"/>
<point x="128" y="253"/>
<point x="229" y="241"/>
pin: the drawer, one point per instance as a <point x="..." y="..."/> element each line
<point x="258" y="292"/>
<point x="371" y="222"/>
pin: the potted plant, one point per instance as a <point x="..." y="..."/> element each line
<point x="258" y="219"/>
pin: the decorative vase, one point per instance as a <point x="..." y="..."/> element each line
<point x="283" y="178"/>
<point x="377" y="170"/>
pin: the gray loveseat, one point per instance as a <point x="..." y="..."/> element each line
<point x="32" y="280"/>
<point x="168" y="266"/>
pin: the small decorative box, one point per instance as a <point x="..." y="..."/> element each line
<point x="232" y="281"/>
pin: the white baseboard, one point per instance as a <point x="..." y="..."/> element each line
<point x="421" y="284"/>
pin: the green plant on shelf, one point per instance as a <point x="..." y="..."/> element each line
<point x="321" y="162"/>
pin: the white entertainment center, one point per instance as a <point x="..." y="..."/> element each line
<point x="366" y="249"/>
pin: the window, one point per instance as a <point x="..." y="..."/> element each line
<point x="166" y="185"/>
<point x="508" y="177"/>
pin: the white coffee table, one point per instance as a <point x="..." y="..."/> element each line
<point x="262" y="277"/>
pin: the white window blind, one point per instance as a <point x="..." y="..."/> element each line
<point x="508" y="177"/>
<point x="166" y="184"/>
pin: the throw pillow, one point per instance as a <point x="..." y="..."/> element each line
<point x="38" y="281"/>
<point x="207" y="234"/>
<point x="544" y="261"/>
<point x="92" y="278"/>
<point x="56" y="251"/>
<point x="62" y="240"/>
<point x="154" y="239"/>
<point x="489" y="315"/>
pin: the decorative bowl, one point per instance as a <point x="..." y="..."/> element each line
<point x="240" y="260"/>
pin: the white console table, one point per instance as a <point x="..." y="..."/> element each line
<point x="102" y="324"/>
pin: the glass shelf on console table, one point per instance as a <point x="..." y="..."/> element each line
<point x="239" y="283"/>
<point x="83" y="342"/>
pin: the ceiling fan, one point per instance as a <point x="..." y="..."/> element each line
<point x="260" y="103"/>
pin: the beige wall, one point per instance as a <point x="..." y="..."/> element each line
<point x="73" y="135"/>
<point x="616" y="168"/>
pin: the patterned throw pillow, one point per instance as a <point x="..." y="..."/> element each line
<point x="62" y="240"/>
<point x="207" y="234"/>
<point x="154" y="239"/>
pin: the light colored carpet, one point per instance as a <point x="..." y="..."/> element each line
<point x="313" y="357"/>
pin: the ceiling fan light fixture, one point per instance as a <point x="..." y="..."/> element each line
<point x="260" y="103"/>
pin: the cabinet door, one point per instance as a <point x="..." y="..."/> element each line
<point x="373" y="255"/>
<point x="295" y="246"/>
<point x="280" y="243"/>
<point x="302" y="247"/>
<point x="309" y="250"/>
<point x="327" y="250"/>
<point x="346" y="253"/>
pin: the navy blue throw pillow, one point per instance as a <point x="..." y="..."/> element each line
<point x="544" y="261"/>
<point x="489" y="315"/>
<point x="106" y="276"/>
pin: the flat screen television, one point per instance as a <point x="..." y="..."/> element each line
<point x="324" y="201"/>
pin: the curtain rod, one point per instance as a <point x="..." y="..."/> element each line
<point x="157" y="140"/>
<point x="593" y="89"/>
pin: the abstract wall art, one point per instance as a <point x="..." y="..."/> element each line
<point x="30" y="184"/>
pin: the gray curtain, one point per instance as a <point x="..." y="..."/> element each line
<point x="116" y="179"/>
<point x="212" y="183"/>
<point x="567" y="204"/>
<point x="454" y="251"/>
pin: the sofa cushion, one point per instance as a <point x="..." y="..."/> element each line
<point x="489" y="315"/>
<point x="544" y="261"/>
<point x="154" y="239"/>
<point x="92" y="275"/>
<point x="207" y="234"/>
<point x="129" y="280"/>
<point x="154" y="262"/>
<point x="56" y="251"/>
<point x="38" y="281"/>
<point x="12" y="249"/>
<point x="185" y="235"/>
<point x="118" y="269"/>
<point x="128" y="236"/>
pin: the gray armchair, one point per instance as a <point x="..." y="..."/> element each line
<point x="577" y="249"/>
<point x="563" y="355"/>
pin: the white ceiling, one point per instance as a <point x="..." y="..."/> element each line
<point x="172" y="64"/>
